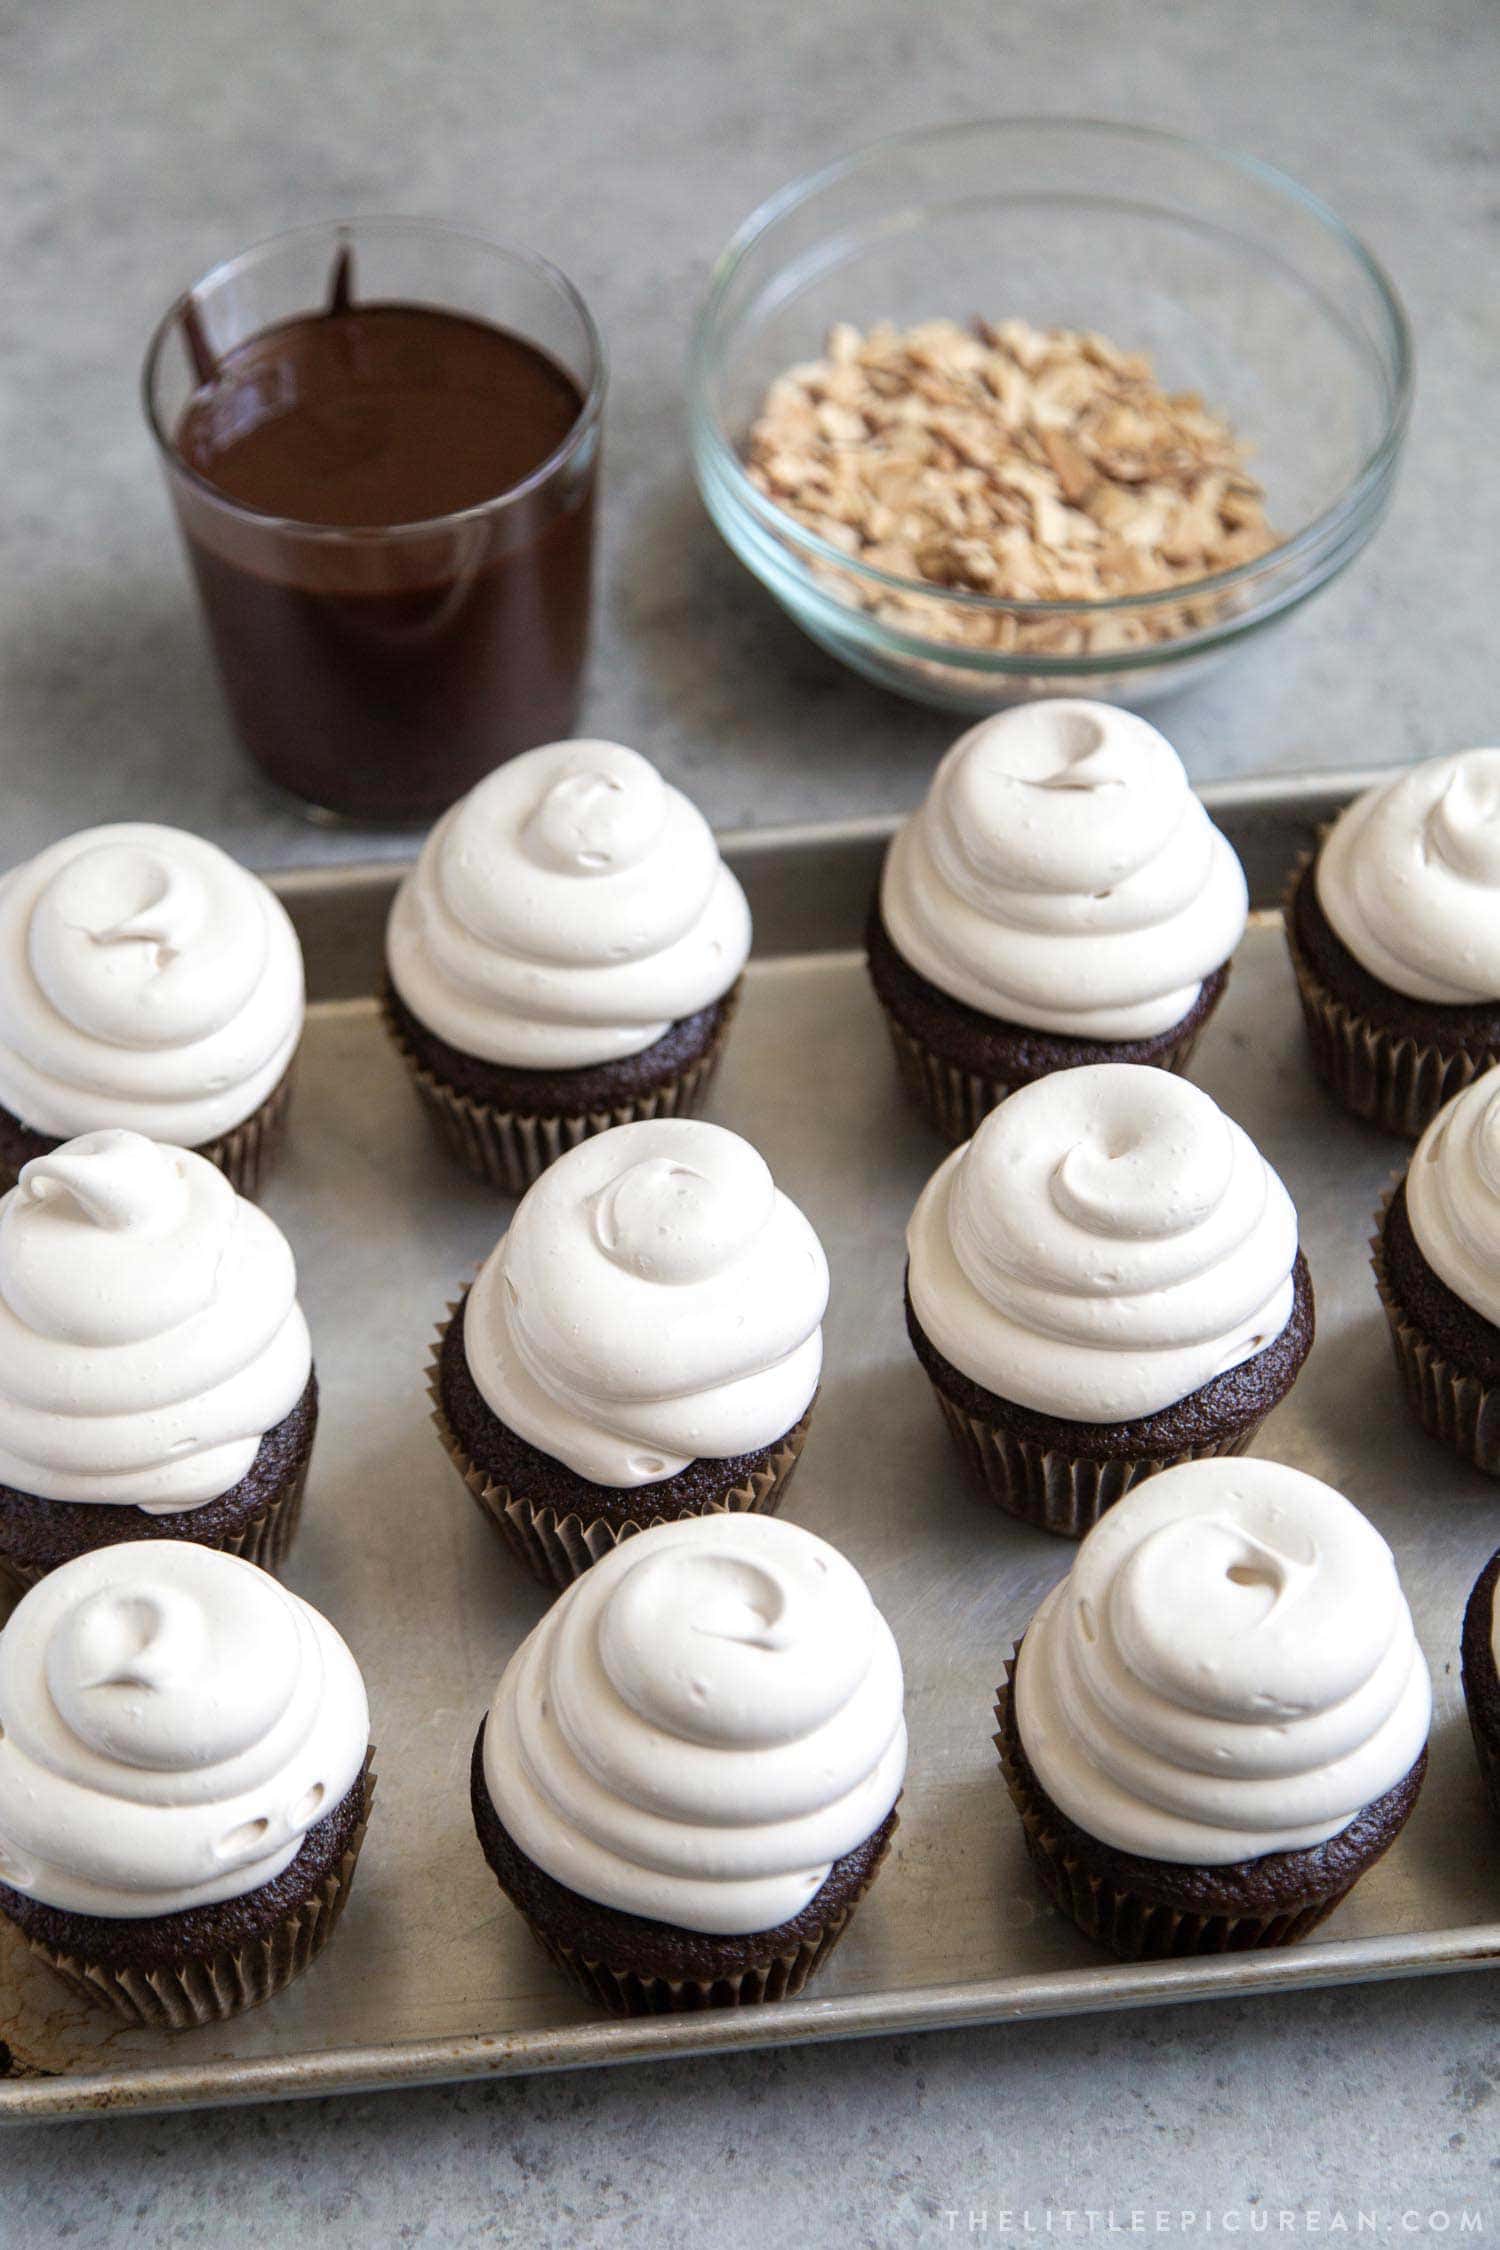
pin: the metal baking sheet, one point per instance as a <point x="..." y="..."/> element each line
<point x="432" y="1975"/>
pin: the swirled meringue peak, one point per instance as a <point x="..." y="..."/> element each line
<point x="656" y="1300"/>
<point x="566" y="912"/>
<point x="1409" y="878"/>
<point x="172" y="1723"/>
<point x="1453" y="1195"/>
<point x="146" y="981"/>
<point x="1229" y="1668"/>
<point x="1061" y="874"/>
<point x="1108" y="1242"/>
<point x="150" y="1333"/>
<point x="701" y="1725"/>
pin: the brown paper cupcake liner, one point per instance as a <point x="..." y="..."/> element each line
<point x="263" y="1538"/>
<point x="1481" y="1682"/>
<point x="1389" y="1079"/>
<point x="227" y="1982"/>
<point x="1056" y="1491"/>
<point x="555" y="1548"/>
<point x="246" y="1155"/>
<point x="509" y="1151"/>
<point x="1134" y="1927"/>
<point x="1457" y="1409"/>
<point x="958" y="1101"/>
<point x="1488" y="1760"/>
<point x="628" y="1992"/>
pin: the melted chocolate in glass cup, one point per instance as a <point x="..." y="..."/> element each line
<point x="398" y="587"/>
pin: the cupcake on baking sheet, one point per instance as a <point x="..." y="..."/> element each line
<point x="1061" y="898"/>
<point x="184" y="1780"/>
<point x="645" y="1343"/>
<point x="1218" y="1721"/>
<point x="1481" y="1675"/>
<point x="156" y="1376"/>
<point x="147" y="982"/>
<point x="687" y="1780"/>
<point x="565" y="956"/>
<point x="1436" y="1253"/>
<point x="1394" y="930"/>
<point x="1103" y="1282"/>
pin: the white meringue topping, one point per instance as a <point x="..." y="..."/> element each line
<point x="656" y="1300"/>
<point x="1108" y="1242"/>
<point x="1409" y="878"/>
<point x="1453" y="1195"/>
<point x="172" y="1722"/>
<point x="701" y="1725"/>
<point x="1061" y="874"/>
<point x="150" y="1333"/>
<point x="566" y="912"/>
<point x="1229" y="1669"/>
<point x="149" y="982"/>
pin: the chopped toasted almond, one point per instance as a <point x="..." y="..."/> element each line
<point x="1024" y="463"/>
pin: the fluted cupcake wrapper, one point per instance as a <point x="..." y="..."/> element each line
<point x="263" y="1538"/>
<point x="1057" y="1491"/>
<point x="509" y="1151"/>
<point x="1481" y="1678"/>
<point x="1134" y="1927"/>
<point x="1390" y="1079"/>
<point x="1487" y="1757"/>
<point x="555" y="1548"/>
<point x="228" y="1981"/>
<point x="958" y="1101"/>
<point x="246" y="1155"/>
<point x="628" y="1992"/>
<point x="267" y="1537"/>
<point x="1457" y="1409"/>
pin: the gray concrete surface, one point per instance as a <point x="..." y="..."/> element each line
<point x="1369" y="2115"/>
<point x="138" y="143"/>
<point x="626" y="140"/>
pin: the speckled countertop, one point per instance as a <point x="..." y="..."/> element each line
<point x="625" y="139"/>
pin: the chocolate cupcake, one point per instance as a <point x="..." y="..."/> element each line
<point x="565" y="956"/>
<point x="1218" y="1721"/>
<point x="644" y="1344"/>
<point x="1104" y="1282"/>
<point x="151" y="984"/>
<point x="1394" y="931"/>
<point x="156" y="1376"/>
<point x="184" y="1780"/>
<point x="688" y="1777"/>
<point x="1437" y="1266"/>
<point x="1060" y="899"/>
<point x="1481" y="1678"/>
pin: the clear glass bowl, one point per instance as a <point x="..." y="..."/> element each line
<point x="1237" y="282"/>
